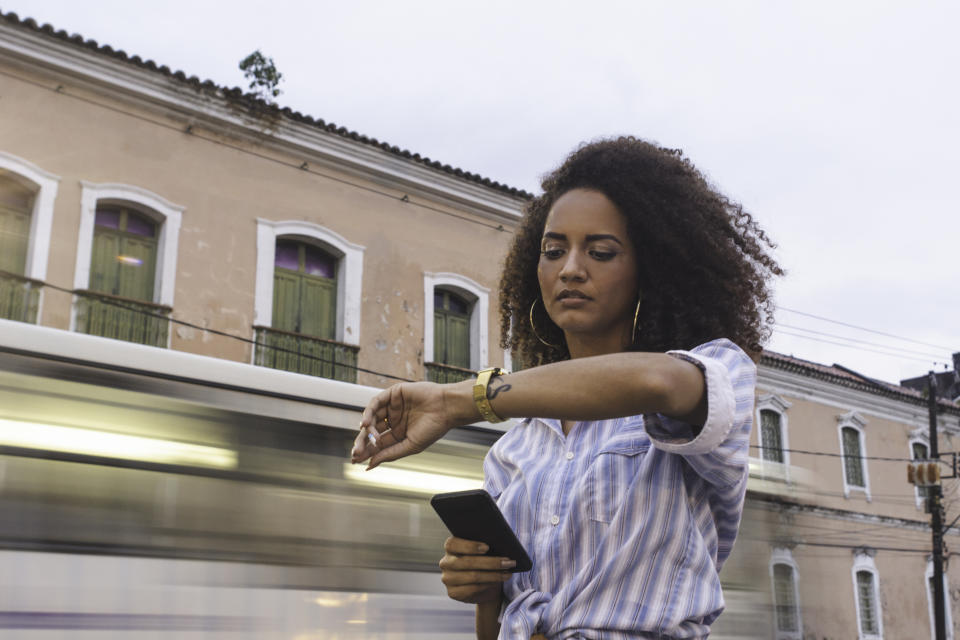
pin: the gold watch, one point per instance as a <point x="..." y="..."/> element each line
<point x="480" y="393"/>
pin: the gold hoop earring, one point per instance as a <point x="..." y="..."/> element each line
<point x="636" y="319"/>
<point x="533" y="327"/>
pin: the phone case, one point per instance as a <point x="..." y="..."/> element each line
<point x="473" y="515"/>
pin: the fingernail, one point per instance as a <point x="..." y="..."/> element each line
<point x="507" y="563"/>
<point x="482" y="548"/>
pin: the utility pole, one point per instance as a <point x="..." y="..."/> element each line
<point x="935" y="505"/>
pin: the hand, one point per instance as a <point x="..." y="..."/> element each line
<point x="471" y="576"/>
<point x="406" y="419"/>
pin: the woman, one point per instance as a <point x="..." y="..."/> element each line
<point x="639" y="290"/>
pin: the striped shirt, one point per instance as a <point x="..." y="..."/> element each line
<point x="627" y="520"/>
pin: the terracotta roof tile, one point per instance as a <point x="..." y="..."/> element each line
<point x="846" y="377"/>
<point x="254" y="103"/>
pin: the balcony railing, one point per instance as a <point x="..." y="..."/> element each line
<point x="305" y="354"/>
<point x="102" y="314"/>
<point x="443" y="373"/>
<point x="19" y="297"/>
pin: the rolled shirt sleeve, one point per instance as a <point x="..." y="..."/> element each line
<point x="718" y="452"/>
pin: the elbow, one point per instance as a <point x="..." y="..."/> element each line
<point x="678" y="390"/>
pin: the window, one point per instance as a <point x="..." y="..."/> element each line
<point x="770" y="440"/>
<point x="852" y="460"/>
<point x="126" y="263"/>
<point x="27" y="195"/>
<point x="451" y="329"/>
<point x="948" y="617"/>
<point x="772" y="420"/>
<point x="783" y="573"/>
<point x="304" y="290"/>
<point x="307" y="300"/>
<point x="920" y="451"/>
<point x="455" y="326"/>
<point x="866" y="588"/>
<point x="854" y="455"/>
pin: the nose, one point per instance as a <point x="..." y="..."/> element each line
<point x="573" y="268"/>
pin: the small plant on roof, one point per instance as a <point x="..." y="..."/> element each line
<point x="263" y="75"/>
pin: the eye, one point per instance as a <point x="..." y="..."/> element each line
<point x="601" y="255"/>
<point x="552" y="253"/>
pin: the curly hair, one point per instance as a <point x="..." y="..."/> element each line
<point x="703" y="263"/>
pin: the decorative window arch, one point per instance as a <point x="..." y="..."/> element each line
<point x="866" y="595"/>
<point x="928" y="587"/>
<point x="44" y="184"/>
<point x="784" y="578"/>
<point x="349" y="272"/>
<point x="771" y="417"/>
<point x="474" y="293"/>
<point x="853" y="448"/>
<point x="41" y="222"/>
<point x="167" y="215"/>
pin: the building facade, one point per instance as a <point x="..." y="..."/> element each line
<point x="142" y="205"/>
<point x="845" y="538"/>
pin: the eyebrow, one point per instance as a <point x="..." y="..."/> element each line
<point x="592" y="237"/>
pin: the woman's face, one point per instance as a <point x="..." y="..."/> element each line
<point x="587" y="268"/>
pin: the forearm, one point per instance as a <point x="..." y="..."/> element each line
<point x="488" y="627"/>
<point x="592" y="389"/>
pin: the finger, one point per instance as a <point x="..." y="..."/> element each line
<point x="461" y="547"/>
<point x="395" y="451"/>
<point x="394" y="407"/>
<point x="375" y="409"/>
<point x="474" y="595"/>
<point x="475" y="563"/>
<point x="462" y="578"/>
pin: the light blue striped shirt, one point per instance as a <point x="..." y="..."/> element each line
<point x="628" y="520"/>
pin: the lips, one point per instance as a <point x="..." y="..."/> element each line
<point x="567" y="294"/>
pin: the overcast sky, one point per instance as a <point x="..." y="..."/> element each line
<point x="834" y="123"/>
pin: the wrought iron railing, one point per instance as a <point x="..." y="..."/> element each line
<point x="442" y="373"/>
<point x="306" y="354"/>
<point x="19" y="297"/>
<point x="102" y="314"/>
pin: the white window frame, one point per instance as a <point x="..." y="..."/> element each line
<point x="167" y="215"/>
<point x="863" y="561"/>
<point x="856" y="421"/>
<point x="477" y="295"/>
<point x="918" y="438"/>
<point x="948" y="618"/>
<point x="784" y="556"/>
<point x="41" y="218"/>
<point x="349" y="272"/>
<point x="773" y="402"/>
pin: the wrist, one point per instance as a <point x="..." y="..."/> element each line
<point x="458" y="398"/>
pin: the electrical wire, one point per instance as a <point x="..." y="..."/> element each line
<point x="121" y="305"/>
<point x="850" y="346"/>
<point x="866" y="342"/>
<point x="853" y="326"/>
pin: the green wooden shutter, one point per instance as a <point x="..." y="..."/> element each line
<point x="286" y="300"/>
<point x="135" y="268"/>
<point x="458" y="341"/>
<point x="318" y="307"/>
<point x="103" y="264"/>
<point x="14" y="236"/>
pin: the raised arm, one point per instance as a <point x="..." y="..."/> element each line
<point x="415" y="415"/>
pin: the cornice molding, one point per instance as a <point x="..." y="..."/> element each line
<point x="206" y="106"/>
<point x="796" y="385"/>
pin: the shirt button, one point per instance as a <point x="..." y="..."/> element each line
<point x="569" y="455"/>
<point x="555" y="520"/>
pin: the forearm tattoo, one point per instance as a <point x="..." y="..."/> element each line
<point x="494" y="391"/>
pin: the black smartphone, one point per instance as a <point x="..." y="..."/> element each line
<point x="473" y="515"/>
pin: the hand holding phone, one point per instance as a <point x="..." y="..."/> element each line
<point x="473" y="515"/>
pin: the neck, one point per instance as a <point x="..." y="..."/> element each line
<point x="582" y="346"/>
